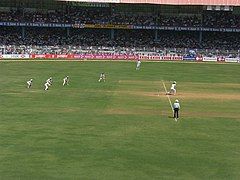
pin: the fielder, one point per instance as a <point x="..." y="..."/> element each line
<point x="49" y="81"/>
<point x="47" y="85"/>
<point x="102" y="77"/>
<point x="66" y="80"/>
<point x="138" y="64"/>
<point x="172" y="89"/>
<point x="29" y="83"/>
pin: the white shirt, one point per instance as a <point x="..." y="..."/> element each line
<point x="173" y="86"/>
<point x="176" y="105"/>
<point x="138" y="63"/>
<point x="29" y="82"/>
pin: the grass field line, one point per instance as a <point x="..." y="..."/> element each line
<point x="169" y="100"/>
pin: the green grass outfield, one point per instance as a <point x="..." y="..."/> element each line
<point x="120" y="129"/>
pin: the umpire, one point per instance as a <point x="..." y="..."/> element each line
<point x="176" y="107"/>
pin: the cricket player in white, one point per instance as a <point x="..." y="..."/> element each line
<point x="102" y="77"/>
<point x="46" y="86"/>
<point x="138" y="64"/>
<point x="65" y="81"/>
<point x="176" y="108"/>
<point x="172" y="89"/>
<point x="49" y="81"/>
<point x="29" y="83"/>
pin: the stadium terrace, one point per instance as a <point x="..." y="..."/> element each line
<point x="58" y="27"/>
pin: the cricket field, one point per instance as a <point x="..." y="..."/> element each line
<point x="122" y="128"/>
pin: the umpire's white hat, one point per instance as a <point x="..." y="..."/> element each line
<point x="176" y="100"/>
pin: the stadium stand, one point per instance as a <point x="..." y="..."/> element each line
<point x="81" y="30"/>
<point x="95" y="16"/>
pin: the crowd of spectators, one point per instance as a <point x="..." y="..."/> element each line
<point x="55" y="40"/>
<point x="211" y="19"/>
<point x="90" y="16"/>
<point x="58" y="40"/>
<point x="221" y="19"/>
<point x="181" y="21"/>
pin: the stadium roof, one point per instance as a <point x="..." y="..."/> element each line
<point x="173" y="2"/>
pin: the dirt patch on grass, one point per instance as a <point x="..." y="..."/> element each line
<point x="216" y="96"/>
<point x="154" y="94"/>
<point x="119" y="111"/>
<point x="139" y="82"/>
<point x="216" y="85"/>
<point x="69" y="110"/>
<point x="184" y="95"/>
<point x="209" y="114"/>
<point x="168" y="113"/>
<point x="56" y="110"/>
<point x="12" y="93"/>
<point x="134" y="112"/>
<point x="144" y="93"/>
